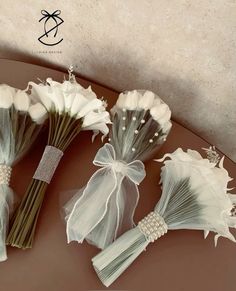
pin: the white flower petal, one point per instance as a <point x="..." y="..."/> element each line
<point x="146" y="101"/>
<point x="6" y="95"/>
<point x="21" y="101"/>
<point x="78" y="103"/>
<point x="161" y="113"/>
<point x="132" y="99"/>
<point x="194" y="154"/>
<point x="72" y="98"/>
<point x="95" y="117"/>
<point x="92" y="105"/>
<point x="40" y="92"/>
<point x="121" y="100"/>
<point x="38" y="113"/>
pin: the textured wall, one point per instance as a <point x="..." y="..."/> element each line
<point x="183" y="50"/>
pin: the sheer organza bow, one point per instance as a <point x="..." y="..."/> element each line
<point x="111" y="196"/>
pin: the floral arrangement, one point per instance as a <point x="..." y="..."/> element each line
<point x="104" y="208"/>
<point x="194" y="196"/>
<point x="71" y="109"/>
<point x="21" y="120"/>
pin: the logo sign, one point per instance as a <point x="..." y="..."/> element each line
<point x="51" y="24"/>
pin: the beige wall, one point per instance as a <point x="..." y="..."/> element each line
<point x="183" y="50"/>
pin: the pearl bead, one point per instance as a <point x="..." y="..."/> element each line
<point x="156" y="134"/>
<point x="123" y="128"/>
<point x="142" y="121"/>
<point x="134" y="118"/>
<point x="133" y="149"/>
<point x="124" y="118"/>
<point x="136" y="131"/>
<point x="151" y="140"/>
<point x="5" y="174"/>
<point x="153" y="226"/>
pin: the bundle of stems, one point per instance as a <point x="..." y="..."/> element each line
<point x="105" y="207"/>
<point x="194" y="196"/>
<point x="71" y="108"/>
<point x="20" y="123"/>
<point x="62" y="131"/>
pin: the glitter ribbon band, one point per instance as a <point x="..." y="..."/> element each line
<point x="48" y="164"/>
<point x="5" y="174"/>
<point x="153" y="226"/>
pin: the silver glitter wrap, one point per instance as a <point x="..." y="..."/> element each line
<point x="48" y="164"/>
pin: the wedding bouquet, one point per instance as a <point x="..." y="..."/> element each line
<point x="194" y="196"/>
<point x="71" y="108"/>
<point x="104" y="208"/>
<point x="20" y="122"/>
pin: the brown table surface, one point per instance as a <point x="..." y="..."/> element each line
<point x="182" y="260"/>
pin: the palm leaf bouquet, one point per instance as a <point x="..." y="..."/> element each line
<point x="105" y="206"/>
<point x="71" y="109"/>
<point x="21" y="120"/>
<point x="194" y="196"/>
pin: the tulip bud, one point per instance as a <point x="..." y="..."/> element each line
<point x="21" y="101"/>
<point x="161" y="113"/>
<point x="6" y="96"/>
<point x="146" y="101"/>
<point x="38" y="113"/>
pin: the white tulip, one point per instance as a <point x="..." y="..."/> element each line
<point x="21" y="101"/>
<point x="38" y="113"/>
<point x="161" y="113"/>
<point x="120" y="103"/>
<point x="6" y="96"/>
<point x="146" y="101"/>
<point x="132" y="99"/>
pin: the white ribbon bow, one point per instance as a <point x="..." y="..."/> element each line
<point x="105" y="206"/>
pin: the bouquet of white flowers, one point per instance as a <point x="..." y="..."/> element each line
<point x="21" y="120"/>
<point x="194" y="196"/>
<point x="71" y="108"/>
<point x="104" y="208"/>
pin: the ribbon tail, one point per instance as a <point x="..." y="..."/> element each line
<point x="119" y="215"/>
<point x="91" y="206"/>
<point x="127" y="201"/>
<point x="6" y="207"/>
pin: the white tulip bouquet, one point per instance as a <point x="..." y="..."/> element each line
<point x="21" y="120"/>
<point x="194" y="196"/>
<point x="104" y="208"/>
<point x="71" y="108"/>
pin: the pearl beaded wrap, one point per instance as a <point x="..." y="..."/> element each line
<point x="5" y="174"/>
<point x="153" y="226"/>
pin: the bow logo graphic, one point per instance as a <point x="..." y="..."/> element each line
<point x="49" y="29"/>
